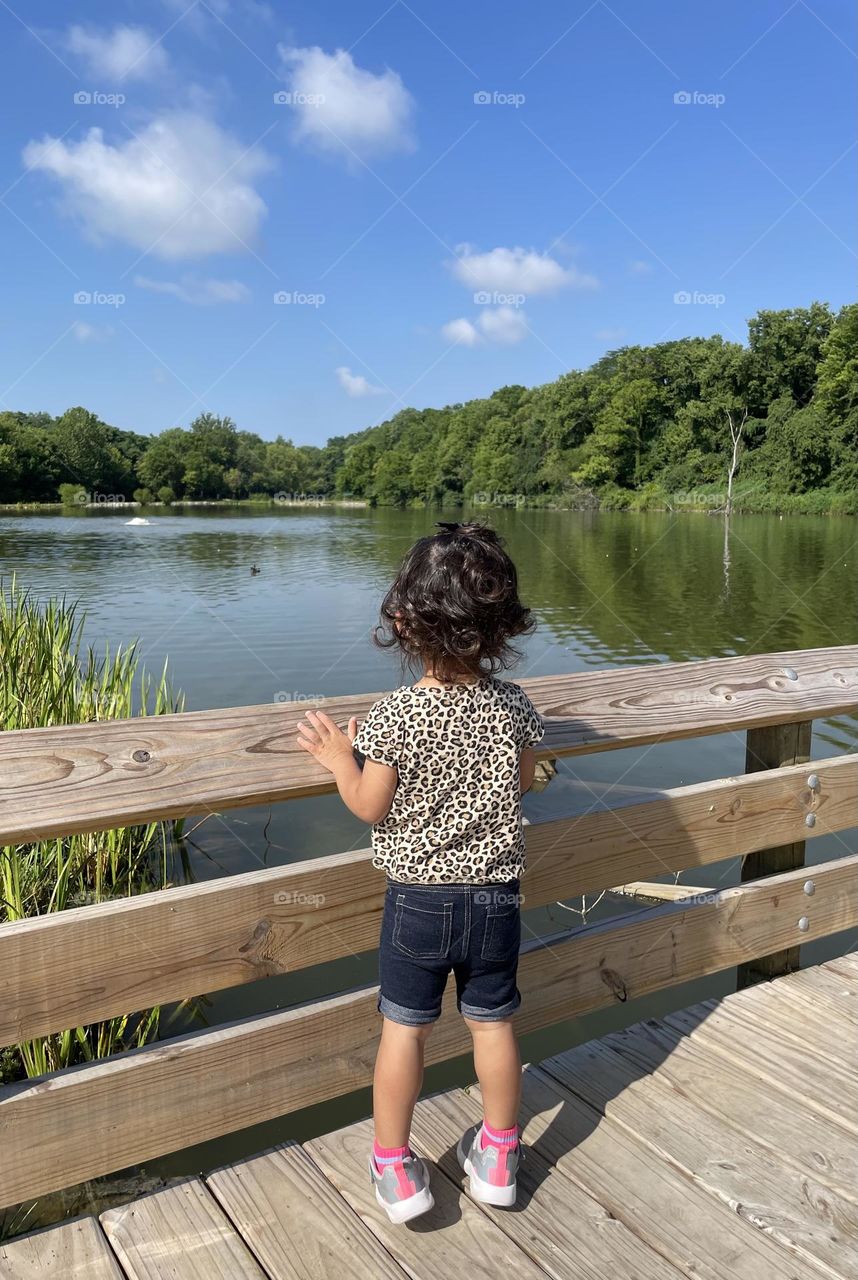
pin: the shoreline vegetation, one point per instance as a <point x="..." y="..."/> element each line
<point x="705" y="501"/>
<point x="130" y="504"/>
<point x="696" y="424"/>
<point x="51" y="678"/>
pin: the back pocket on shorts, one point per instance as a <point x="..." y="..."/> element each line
<point x="502" y="937"/>
<point x="422" y="932"/>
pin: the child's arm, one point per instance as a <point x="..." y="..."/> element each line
<point x="368" y="792"/>
<point x="526" y="769"/>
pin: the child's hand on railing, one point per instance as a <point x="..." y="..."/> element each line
<point x="326" y="740"/>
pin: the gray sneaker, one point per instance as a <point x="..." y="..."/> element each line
<point x="402" y="1190"/>
<point x="491" y="1170"/>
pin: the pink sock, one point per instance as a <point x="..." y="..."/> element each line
<point x="498" y="1137"/>
<point x="389" y="1155"/>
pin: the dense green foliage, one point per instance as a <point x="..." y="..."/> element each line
<point x="643" y="426"/>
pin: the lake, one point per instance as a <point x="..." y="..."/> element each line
<point x="608" y="589"/>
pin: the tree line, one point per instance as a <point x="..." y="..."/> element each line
<point x="667" y="424"/>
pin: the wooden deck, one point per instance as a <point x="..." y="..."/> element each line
<point x="719" y="1143"/>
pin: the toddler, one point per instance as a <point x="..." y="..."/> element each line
<point x="444" y="764"/>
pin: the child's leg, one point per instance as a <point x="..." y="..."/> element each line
<point x="498" y="1066"/>
<point x="397" y="1081"/>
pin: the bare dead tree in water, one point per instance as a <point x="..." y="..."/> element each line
<point x="736" y="429"/>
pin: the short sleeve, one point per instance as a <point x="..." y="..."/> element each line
<point x="533" y="728"/>
<point x="379" y="737"/>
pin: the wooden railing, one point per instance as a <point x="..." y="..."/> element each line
<point x="63" y="970"/>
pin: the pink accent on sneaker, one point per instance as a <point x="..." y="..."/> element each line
<point x="498" y="1173"/>
<point x="503" y="1140"/>
<point x="392" y="1157"/>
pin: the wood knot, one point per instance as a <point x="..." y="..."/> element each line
<point x="614" y="983"/>
<point x="140" y="756"/>
<point x="261" y="951"/>
<point x="257" y="938"/>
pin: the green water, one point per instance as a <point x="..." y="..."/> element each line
<point x="607" y="590"/>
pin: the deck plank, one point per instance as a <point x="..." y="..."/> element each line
<point x="814" y="1075"/>
<point x="297" y="1224"/>
<point x="693" y="1230"/>
<point x="75" y="1250"/>
<point x="758" y="1184"/>
<point x="779" y="1008"/>
<point x="454" y="1239"/>
<point x="179" y="1233"/>
<point x="824" y="987"/>
<point x="792" y="1131"/>
<point x="845" y="966"/>
<point x="568" y="1233"/>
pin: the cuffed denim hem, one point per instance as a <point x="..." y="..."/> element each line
<point x="406" y="1017"/>
<point x="490" y="1015"/>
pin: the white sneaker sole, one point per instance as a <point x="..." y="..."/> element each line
<point x="486" y="1192"/>
<point x="405" y="1210"/>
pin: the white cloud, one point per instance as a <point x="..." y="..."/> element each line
<point x="91" y="332"/>
<point x="610" y="335"/>
<point x="517" y="271"/>
<point x="355" y="384"/>
<point x="123" y="53"/>
<point x="641" y="267"/>
<point x="341" y="108"/>
<point x="461" y="331"/>
<point x="503" y="324"/>
<point x="183" y="188"/>
<point x="200" y="293"/>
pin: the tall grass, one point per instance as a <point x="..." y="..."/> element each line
<point x="48" y="676"/>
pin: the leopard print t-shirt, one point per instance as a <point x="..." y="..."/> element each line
<point x="456" y="812"/>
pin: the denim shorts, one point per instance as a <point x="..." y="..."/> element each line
<point x="429" y="930"/>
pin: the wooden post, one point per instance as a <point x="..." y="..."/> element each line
<point x="769" y="748"/>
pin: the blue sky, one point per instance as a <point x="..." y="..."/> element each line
<point x="453" y="197"/>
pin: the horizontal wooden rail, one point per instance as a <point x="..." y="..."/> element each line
<point x="90" y="1120"/>
<point x="59" y="781"/>
<point x="78" y="966"/>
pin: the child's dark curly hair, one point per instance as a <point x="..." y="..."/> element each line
<point x="454" y="605"/>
